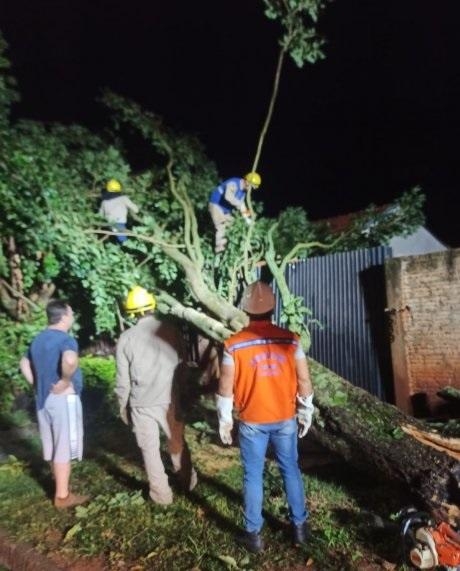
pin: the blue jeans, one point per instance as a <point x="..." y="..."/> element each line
<point x="254" y="440"/>
<point x="120" y="237"/>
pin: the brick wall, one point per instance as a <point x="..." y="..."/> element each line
<point x="423" y="301"/>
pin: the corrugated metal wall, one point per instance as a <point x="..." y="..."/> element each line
<point x="346" y="293"/>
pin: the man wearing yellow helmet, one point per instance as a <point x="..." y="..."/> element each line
<point x="114" y="207"/>
<point x="150" y="358"/>
<point x="225" y="198"/>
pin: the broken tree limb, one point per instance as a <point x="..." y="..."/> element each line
<point x="450" y="446"/>
<point x="370" y="435"/>
<point x="450" y="393"/>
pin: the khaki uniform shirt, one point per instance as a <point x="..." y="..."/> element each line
<point x="147" y="357"/>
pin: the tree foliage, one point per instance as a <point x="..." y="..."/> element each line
<point x="8" y="93"/>
<point x="298" y="19"/>
<point x="54" y="242"/>
<point x="300" y="40"/>
<point x="377" y="225"/>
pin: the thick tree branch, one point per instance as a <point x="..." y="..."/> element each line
<point x="17" y="294"/>
<point x="210" y="327"/>
<point x="271" y="106"/>
<point x="142" y="237"/>
<point x="289" y="257"/>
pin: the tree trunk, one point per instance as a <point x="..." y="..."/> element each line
<point x="382" y="440"/>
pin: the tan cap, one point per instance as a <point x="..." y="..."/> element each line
<point x="258" y="298"/>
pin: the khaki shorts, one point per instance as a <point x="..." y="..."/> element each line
<point x="60" y="423"/>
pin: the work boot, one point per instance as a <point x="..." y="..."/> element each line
<point x="300" y="533"/>
<point x="252" y="541"/>
<point x="70" y="501"/>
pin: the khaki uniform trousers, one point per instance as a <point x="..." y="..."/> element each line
<point x="220" y="221"/>
<point x="147" y="422"/>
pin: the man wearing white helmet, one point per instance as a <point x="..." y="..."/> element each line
<point x="228" y="196"/>
<point x="149" y="360"/>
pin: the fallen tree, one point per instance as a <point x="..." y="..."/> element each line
<point x="351" y="422"/>
<point x="380" y="439"/>
<point x="170" y="251"/>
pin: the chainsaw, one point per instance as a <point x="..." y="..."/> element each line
<point x="427" y="544"/>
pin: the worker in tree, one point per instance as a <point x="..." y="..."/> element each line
<point x="265" y="373"/>
<point x="230" y="195"/>
<point x="150" y="359"/>
<point x="114" y="208"/>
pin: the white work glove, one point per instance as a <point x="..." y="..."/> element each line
<point x="305" y="410"/>
<point x="224" y="407"/>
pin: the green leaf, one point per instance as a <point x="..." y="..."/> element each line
<point x="72" y="532"/>
<point x="229" y="561"/>
<point x="81" y="512"/>
<point x="397" y="433"/>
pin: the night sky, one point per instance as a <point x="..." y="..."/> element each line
<point x="378" y="116"/>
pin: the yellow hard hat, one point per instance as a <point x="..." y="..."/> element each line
<point x="139" y="300"/>
<point x="113" y="185"/>
<point x="253" y="179"/>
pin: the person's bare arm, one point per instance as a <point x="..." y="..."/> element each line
<point x="304" y="386"/>
<point x="69" y="364"/>
<point x="26" y="370"/>
<point x="226" y="381"/>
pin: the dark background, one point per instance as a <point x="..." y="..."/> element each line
<point x="378" y="116"/>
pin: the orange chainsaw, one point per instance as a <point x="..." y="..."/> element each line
<point x="429" y="545"/>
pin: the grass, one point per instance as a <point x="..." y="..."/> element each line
<point x="121" y="529"/>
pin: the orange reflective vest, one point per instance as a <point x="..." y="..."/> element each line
<point x="265" y="385"/>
